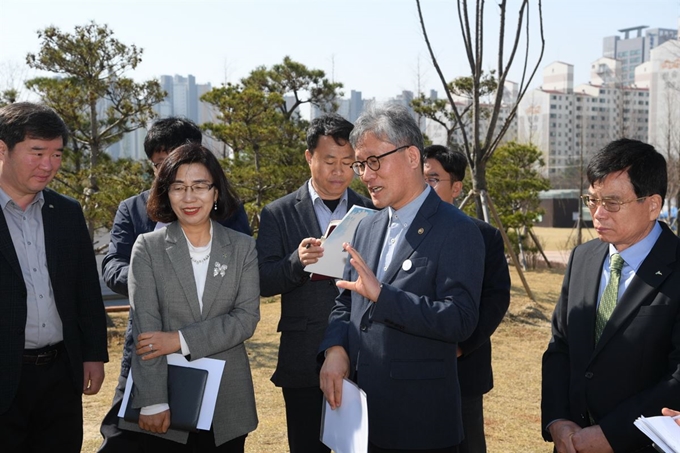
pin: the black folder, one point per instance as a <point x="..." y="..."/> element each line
<point x="185" y="395"/>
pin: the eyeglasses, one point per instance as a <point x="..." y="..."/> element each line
<point x="432" y="181"/>
<point x="373" y="162"/>
<point x="200" y="188"/>
<point x="157" y="164"/>
<point x="607" y="203"/>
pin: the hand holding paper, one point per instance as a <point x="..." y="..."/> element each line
<point x="345" y="430"/>
<point x="335" y="368"/>
<point x="334" y="258"/>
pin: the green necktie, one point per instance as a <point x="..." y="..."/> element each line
<point x="609" y="296"/>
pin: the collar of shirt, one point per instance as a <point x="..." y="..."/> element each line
<point x="5" y="200"/>
<point x="322" y="212"/>
<point x="636" y="253"/>
<point x="315" y="196"/>
<point x="406" y="214"/>
<point x="633" y="257"/>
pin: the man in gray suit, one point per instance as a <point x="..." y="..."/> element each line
<point x="287" y="242"/>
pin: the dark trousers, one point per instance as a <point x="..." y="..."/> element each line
<point x="47" y="411"/>
<point x="117" y="440"/>
<point x="200" y="442"/>
<point x="373" y="449"/>
<point x="473" y="424"/>
<point x="303" y="419"/>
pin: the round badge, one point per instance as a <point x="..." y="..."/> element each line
<point x="407" y="265"/>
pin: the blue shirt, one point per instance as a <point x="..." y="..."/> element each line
<point x="633" y="257"/>
<point x="398" y="224"/>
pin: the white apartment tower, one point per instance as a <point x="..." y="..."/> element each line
<point x="570" y="123"/>
<point x="437" y="133"/>
<point x="664" y="103"/>
<point x="633" y="48"/>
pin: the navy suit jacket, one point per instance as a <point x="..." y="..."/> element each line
<point x="73" y="274"/>
<point x="635" y="367"/>
<point x="402" y="348"/>
<point x="474" y="366"/>
<point x="305" y="304"/>
<point x="132" y="220"/>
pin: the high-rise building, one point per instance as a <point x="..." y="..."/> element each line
<point x="438" y="133"/>
<point x="633" y="48"/>
<point x="183" y="100"/>
<point x="664" y="102"/>
<point x="569" y="124"/>
<point x="350" y="108"/>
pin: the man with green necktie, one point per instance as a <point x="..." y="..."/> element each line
<point x="615" y="348"/>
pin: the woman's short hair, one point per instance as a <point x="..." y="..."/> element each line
<point x="158" y="207"/>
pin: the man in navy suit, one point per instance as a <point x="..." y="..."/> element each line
<point x="53" y="326"/>
<point x="410" y="294"/>
<point x="444" y="172"/>
<point x="288" y="240"/>
<point x="132" y="220"/>
<point x="614" y="354"/>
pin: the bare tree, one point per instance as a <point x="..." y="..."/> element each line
<point x="480" y="144"/>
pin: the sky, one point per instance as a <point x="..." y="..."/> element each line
<point x="372" y="46"/>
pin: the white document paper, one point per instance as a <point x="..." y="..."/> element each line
<point x="345" y="429"/>
<point x="662" y="430"/>
<point x="215" y="369"/>
<point x="332" y="263"/>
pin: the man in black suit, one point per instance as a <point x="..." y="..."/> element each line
<point x="53" y="326"/>
<point x="615" y="348"/>
<point x="444" y="171"/>
<point x="132" y="220"/>
<point x="288" y="240"/>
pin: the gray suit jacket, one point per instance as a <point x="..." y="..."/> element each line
<point x="305" y="304"/>
<point x="163" y="297"/>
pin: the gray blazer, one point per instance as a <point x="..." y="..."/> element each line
<point x="163" y="297"/>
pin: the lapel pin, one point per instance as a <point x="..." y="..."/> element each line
<point x="421" y="230"/>
<point x="658" y="273"/>
<point x="407" y="265"/>
<point x="220" y="269"/>
<point x="51" y="206"/>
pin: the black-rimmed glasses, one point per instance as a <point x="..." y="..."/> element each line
<point x="373" y="162"/>
<point x="608" y="204"/>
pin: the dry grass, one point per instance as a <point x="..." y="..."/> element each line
<point x="512" y="408"/>
<point x="561" y="239"/>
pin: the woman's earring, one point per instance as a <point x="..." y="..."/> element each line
<point x="215" y="206"/>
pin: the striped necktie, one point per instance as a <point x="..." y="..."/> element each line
<point x="609" y="296"/>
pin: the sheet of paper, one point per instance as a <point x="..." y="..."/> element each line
<point x="345" y="429"/>
<point x="662" y="430"/>
<point x="215" y="369"/>
<point x="334" y="258"/>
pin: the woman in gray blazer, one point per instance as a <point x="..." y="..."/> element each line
<point x="194" y="289"/>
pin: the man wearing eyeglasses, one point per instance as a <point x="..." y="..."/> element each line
<point x="410" y="295"/>
<point x="288" y="240"/>
<point x="614" y="354"/>
<point x="444" y="172"/>
<point x="132" y="220"/>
